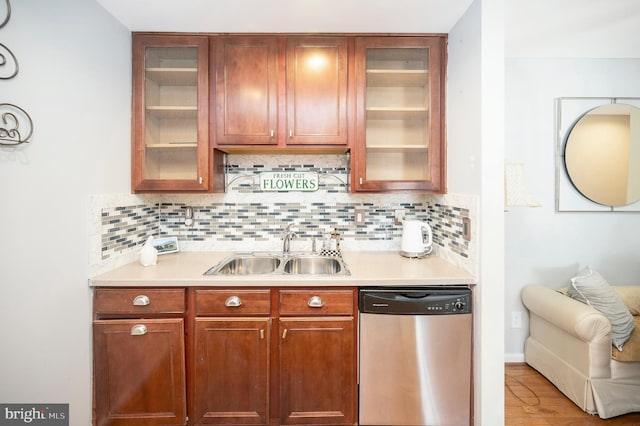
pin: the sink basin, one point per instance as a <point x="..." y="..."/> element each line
<point x="314" y="265"/>
<point x="257" y="263"/>
<point x="246" y="264"/>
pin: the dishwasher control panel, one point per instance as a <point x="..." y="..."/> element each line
<point x="416" y="300"/>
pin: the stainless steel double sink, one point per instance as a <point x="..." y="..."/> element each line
<point x="265" y="263"/>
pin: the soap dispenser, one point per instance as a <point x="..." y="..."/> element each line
<point x="335" y="240"/>
<point x="148" y="254"/>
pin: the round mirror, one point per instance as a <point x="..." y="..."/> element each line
<point x="602" y="154"/>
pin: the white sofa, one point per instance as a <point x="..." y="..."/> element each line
<point x="570" y="344"/>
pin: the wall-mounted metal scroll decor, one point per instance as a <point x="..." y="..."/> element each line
<point x="3" y="21"/>
<point x="8" y="63"/>
<point x="16" y="126"/>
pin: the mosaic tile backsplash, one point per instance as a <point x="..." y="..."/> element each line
<point x="246" y="218"/>
<point x="126" y="227"/>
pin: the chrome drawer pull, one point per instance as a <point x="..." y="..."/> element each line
<point x="233" y="301"/>
<point x="315" y="302"/>
<point x="139" y="330"/>
<point x="141" y="300"/>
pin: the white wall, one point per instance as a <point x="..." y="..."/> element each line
<point x="74" y="81"/>
<point x="475" y="128"/>
<point x="544" y="246"/>
<point x="463" y="104"/>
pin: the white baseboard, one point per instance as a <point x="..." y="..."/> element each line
<point x="514" y="357"/>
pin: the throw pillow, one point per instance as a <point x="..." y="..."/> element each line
<point x="591" y="288"/>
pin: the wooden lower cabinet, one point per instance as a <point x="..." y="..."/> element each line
<point x="261" y="356"/>
<point x="139" y="370"/>
<point x="317" y="371"/>
<point x="274" y="357"/>
<point x="231" y="372"/>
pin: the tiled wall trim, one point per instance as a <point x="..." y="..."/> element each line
<point x="246" y="218"/>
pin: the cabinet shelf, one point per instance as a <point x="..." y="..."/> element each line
<point x="173" y="76"/>
<point x="397" y="78"/>
<point x="174" y="145"/>
<point x="392" y="147"/>
<point x="392" y="113"/>
<point x="173" y="111"/>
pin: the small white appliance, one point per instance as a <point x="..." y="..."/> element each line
<point x="414" y="243"/>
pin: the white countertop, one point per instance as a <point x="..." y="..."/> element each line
<point x="369" y="268"/>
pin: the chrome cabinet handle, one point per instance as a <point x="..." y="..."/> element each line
<point x="284" y="334"/>
<point x="272" y="133"/>
<point x="233" y="301"/>
<point x="315" y="302"/>
<point x="139" y="330"/>
<point x="290" y="133"/>
<point x="141" y="300"/>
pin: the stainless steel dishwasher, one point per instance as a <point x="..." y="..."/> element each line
<point x="415" y="356"/>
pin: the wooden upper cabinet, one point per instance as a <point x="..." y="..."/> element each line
<point x="246" y="81"/>
<point x="317" y="90"/>
<point x="170" y="147"/>
<point x="281" y="91"/>
<point x="196" y="96"/>
<point x="399" y="142"/>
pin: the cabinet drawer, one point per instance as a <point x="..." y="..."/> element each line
<point x="138" y="301"/>
<point x="316" y="302"/>
<point x="233" y="302"/>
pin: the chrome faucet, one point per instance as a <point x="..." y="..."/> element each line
<point x="288" y="235"/>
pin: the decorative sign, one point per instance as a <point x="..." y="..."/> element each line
<point x="288" y="181"/>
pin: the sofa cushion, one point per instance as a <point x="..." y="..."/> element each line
<point x="591" y="288"/>
<point x="630" y="296"/>
<point x="631" y="350"/>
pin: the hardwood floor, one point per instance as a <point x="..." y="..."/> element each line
<point x="530" y="399"/>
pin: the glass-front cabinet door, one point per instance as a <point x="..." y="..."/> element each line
<point x="171" y="114"/>
<point x="400" y="114"/>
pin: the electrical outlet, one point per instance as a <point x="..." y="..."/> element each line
<point x="398" y="216"/>
<point x="466" y="229"/>
<point x="516" y="319"/>
<point x="358" y="216"/>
